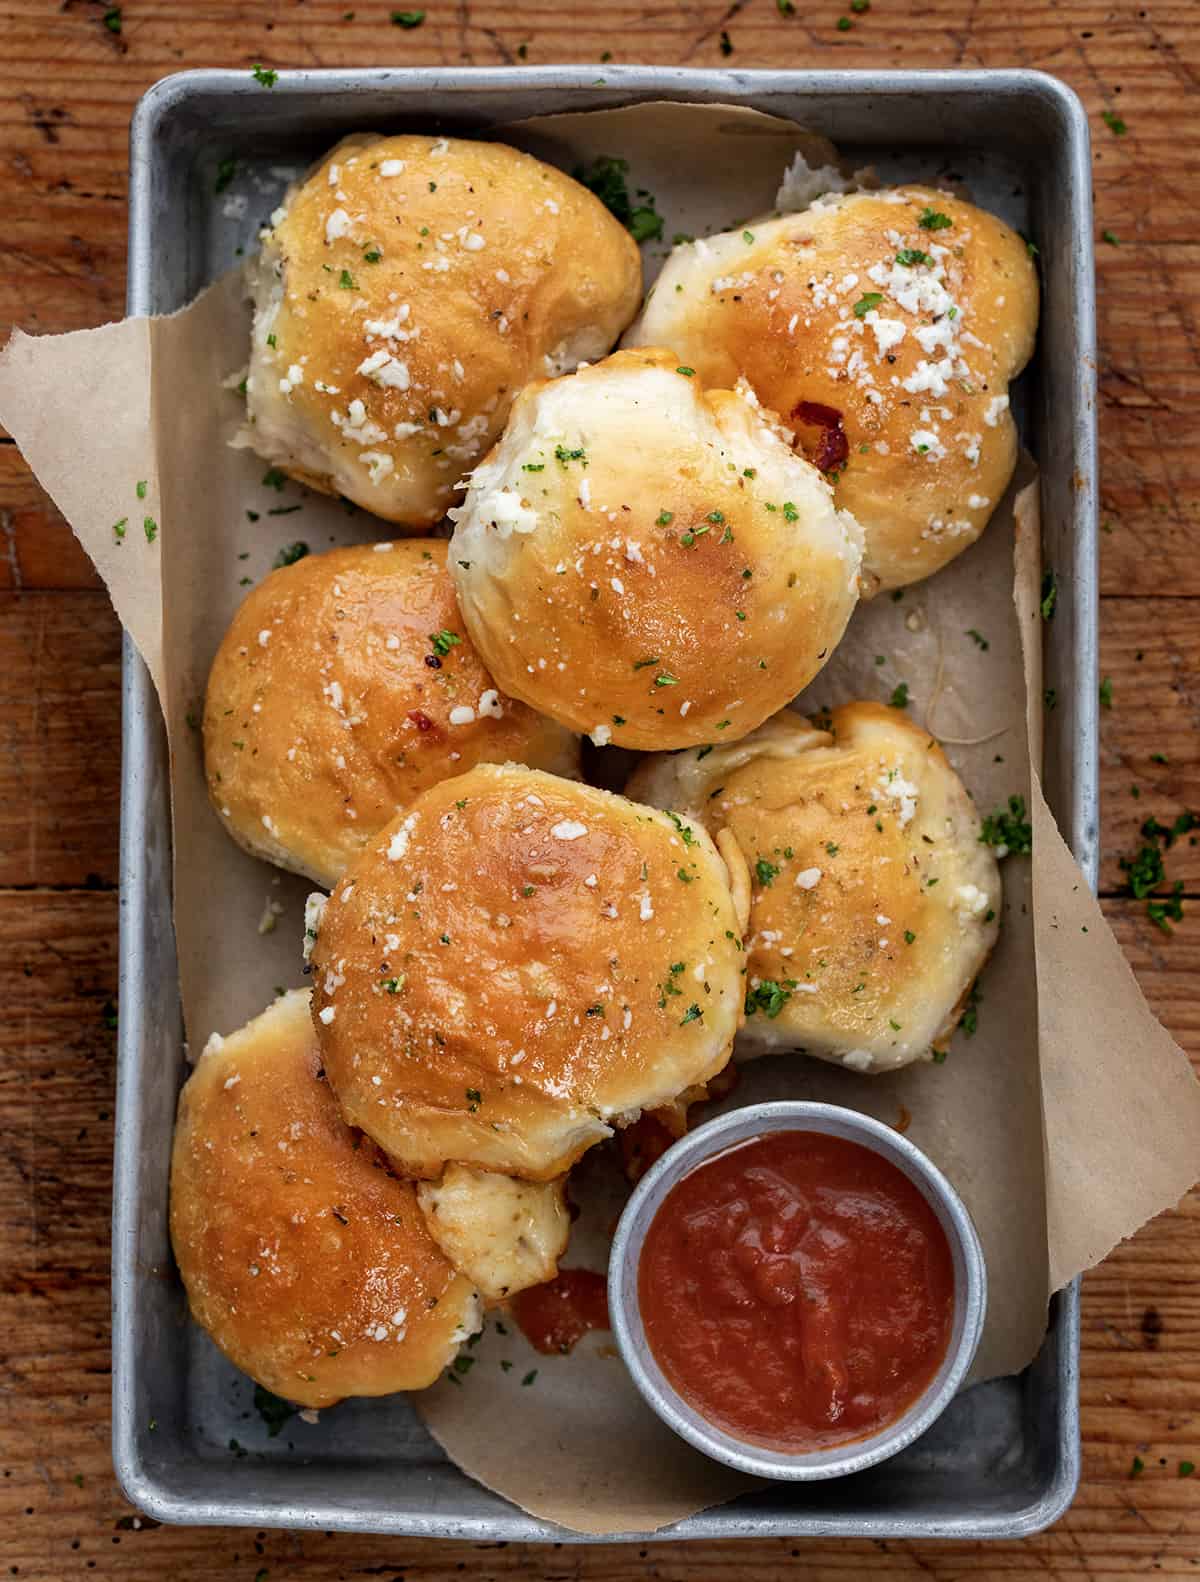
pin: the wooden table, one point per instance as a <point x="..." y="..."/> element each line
<point x="69" y="75"/>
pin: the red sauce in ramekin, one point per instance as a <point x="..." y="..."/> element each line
<point x="797" y="1291"/>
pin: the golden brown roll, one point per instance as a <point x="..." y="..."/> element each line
<point x="503" y="1234"/>
<point x="406" y="289"/>
<point x="519" y="964"/>
<point x="874" y="903"/>
<point x="647" y="560"/>
<point x="303" y="1256"/>
<point x="884" y="328"/>
<point x="346" y="685"/>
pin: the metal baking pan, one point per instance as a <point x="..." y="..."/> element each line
<point x="1004" y="1460"/>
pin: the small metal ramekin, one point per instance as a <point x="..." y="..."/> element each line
<point x="740" y="1126"/>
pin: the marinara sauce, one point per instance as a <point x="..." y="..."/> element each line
<point x="797" y="1291"/>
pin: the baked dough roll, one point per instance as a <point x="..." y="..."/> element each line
<point x="303" y="1256"/>
<point x="503" y="1234"/>
<point x="345" y="686"/>
<point x="519" y="964"/>
<point x="647" y="560"/>
<point x="406" y="289"/>
<point x="884" y="328"/>
<point x="874" y="903"/>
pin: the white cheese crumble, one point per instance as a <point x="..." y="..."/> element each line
<point x="808" y="878"/>
<point x="398" y="844"/>
<point x="569" y="829"/>
<point x="328" y="1014"/>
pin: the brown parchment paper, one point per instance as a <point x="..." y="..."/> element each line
<point x="1068" y="1071"/>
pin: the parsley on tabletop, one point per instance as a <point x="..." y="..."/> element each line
<point x="265" y="76"/>
<point x="1114" y="123"/>
<point x="899" y="697"/>
<point x="291" y="553"/>
<point x="1106" y="693"/>
<point x="112" y="19"/>
<point x="1111" y="238"/>
<point x="978" y="638"/>
<point x="408" y="19"/>
<point x="844" y="24"/>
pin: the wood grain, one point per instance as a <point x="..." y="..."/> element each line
<point x="67" y="85"/>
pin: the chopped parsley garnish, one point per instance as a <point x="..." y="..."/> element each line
<point x="1106" y="694"/>
<point x="112" y="19"/>
<point x="273" y="478"/>
<point x="291" y="553"/>
<point x="664" y="678"/>
<point x="832" y="848"/>
<point x="1170" y="909"/>
<point x="1110" y="238"/>
<point x="392" y="985"/>
<point x="844" y="24"/>
<point x="606" y="178"/>
<point x="969" y="1020"/>
<point x="934" y="220"/>
<point x="664" y="519"/>
<point x="688" y="373"/>
<point x="140" y="489"/>
<point x="786" y="7"/>
<point x="1049" y="595"/>
<point x="530" y="1377"/>
<point x="226" y="171"/>
<point x="790" y="513"/>
<point x="1113" y="122"/>
<point x="1137" y="1465"/>
<point x="119" y="528"/>
<point x="747" y="237"/>
<point x="693" y="533"/>
<point x="563" y="455"/>
<point x="909" y="936"/>
<point x="692" y="1014"/>
<point x="766" y="871"/>
<point x="594" y="1010"/>
<point x="865" y="303"/>
<point x="150" y="528"/>
<point x="978" y="638"/>
<point x="899" y="697"/>
<point x="372" y="255"/>
<point x="443" y="642"/>
<point x="769" y="998"/>
<point x="273" y="1411"/>
<point x="910" y="257"/>
<point x="1008" y="830"/>
<point x="347" y="281"/>
<point x="265" y="76"/>
<point x="533" y="466"/>
<point x="642" y="664"/>
<point x="685" y="830"/>
<point x="684" y="876"/>
<point x="408" y="19"/>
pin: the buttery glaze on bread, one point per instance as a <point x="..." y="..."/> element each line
<point x="519" y="964"/>
<point x="303" y="1256"/>
<point x="344" y="687"/>
<point x="647" y="561"/>
<point x="884" y="328"/>
<point x="406" y="290"/>
<point x="874" y="903"/>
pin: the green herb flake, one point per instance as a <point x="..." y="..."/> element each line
<point x="1109" y="237"/>
<point x="769" y="997"/>
<point x="226" y="171"/>
<point x="112" y="19"/>
<point x="910" y="257"/>
<point x="664" y="679"/>
<point x="866" y="303"/>
<point x="726" y="44"/>
<point x="150" y="528"/>
<point x="265" y="76"/>
<point x="909" y="936"/>
<point x="1049" y="595"/>
<point x="688" y="373"/>
<point x="844" y="24"/>
<point x="290" y="554"/>
<point x="747" y="237"/>
<point x="606" y="178"/>
<point x="899" y="697"/>
<point x="347" y="281"/>
<point x="1114" y="123"/>
<point x="1106" y="693"/>
<point x="1008" y="830"/>
<point x="141" y="489"/>
<point x="442" y="642"/>
<point x="1186" y="1468"/>
<point x="407" y="19"/>
<point x="978" y="639"/>
<point x="273" y="1410"/>
<point x="563" y="455"/>
<point x="119" y="528"/>
<point x="1136" y="1467"/>
<point x="766" y="872"/>
<point x="474" y="1099"/>
<point x="934" y="220"/>
<point x="692" y="1014"/>
<point x="529" y="1377"/>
